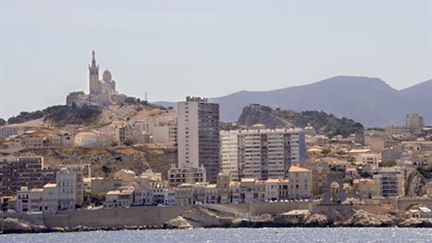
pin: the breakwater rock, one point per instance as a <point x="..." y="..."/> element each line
<point x="414" y="223"/>
<point x="14" y="225"/>
<point x="361" y="218"/>
<point x="178" y="223"/>
<point x="316" y="220"/>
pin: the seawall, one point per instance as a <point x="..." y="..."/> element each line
<point x="116" y="217"/>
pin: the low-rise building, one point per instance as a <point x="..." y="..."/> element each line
<point x="143" y="197"/>
<point x="223" y="187"/>
<point x="123" y="197"/>
<point x="192" y="175"/>
<point x="234" y="192"/>
<point x="211" y="194"/>
<point x="91" y="139"/>
<point x="66" y="181"/>
<point x="29" y="200"/>
<point x="169" y="196"/>
<point x="101" y="185"/>
<point x="9" y="131"/>
<point x="50" y="198"/>
<point x="369" y="160"/>
<point x="366" y="188"/>
<point x="320" y="171"/>
<point x="300" y="183"/>
<point x="390" y="181"/>
<point x="184" y="194"/>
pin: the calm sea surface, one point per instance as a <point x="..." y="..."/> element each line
<point x="249" y="235"/>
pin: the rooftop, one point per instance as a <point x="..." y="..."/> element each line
<point x="50" y="185"/>
<point x="294" y="168"/>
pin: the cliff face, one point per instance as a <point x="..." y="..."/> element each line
<point x="324" y="123"/>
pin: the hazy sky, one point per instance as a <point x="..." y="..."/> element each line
<point x="171" y="49"/>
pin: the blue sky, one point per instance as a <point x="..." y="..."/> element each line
<point x="171" y="49"/>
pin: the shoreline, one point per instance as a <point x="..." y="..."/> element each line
<point x="243" y="225"/>
<point x="257" y="215"/>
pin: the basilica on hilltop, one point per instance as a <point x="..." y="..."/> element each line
<point x="102" y="92"/>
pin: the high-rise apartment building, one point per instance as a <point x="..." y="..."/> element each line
<point x="414" y="121"/>
<point x="197" y="139"/>
<point x="261" y="153"/>
<point x="17" y="172"/>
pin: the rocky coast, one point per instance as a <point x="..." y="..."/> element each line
<point x="207" y="217"/>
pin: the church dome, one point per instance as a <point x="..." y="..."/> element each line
<point x="107" y="75"/>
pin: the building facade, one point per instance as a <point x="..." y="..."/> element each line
<point x="261" y="153"/>
<point x="66" y="181"/>
<point x="413" y="121"/>
<point x="390" y="181"/>
<point x="198" y="136"/>
<point x="17" y="172"/>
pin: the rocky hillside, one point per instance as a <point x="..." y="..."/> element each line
<point x="106" y="161"/>
<point x="324" y="123"/>
<point x="93" y="116"/>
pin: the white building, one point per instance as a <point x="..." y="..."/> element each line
<point x="261" y="153"/>
<point x="123" y="197"/>
<point x="143" y="196"/>
<point x="29" y="200"/>
<point x="198" y="136"/>
<point x="169" y="196"/>
<point x="50" y="198"/>
<point x="66" y="181"/>
<point x="91" y="139"/>
<point x="414" y="121"/>
<point x="371" y="160"/>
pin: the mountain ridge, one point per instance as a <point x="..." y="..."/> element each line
<point x="370" y="101"/>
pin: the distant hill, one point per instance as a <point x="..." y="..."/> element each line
<point x="420" y="98"/>
<point x="324" y="123"/>
<point x="368" y="100"/>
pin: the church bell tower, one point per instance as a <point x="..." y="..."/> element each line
<point x="93" y="76"/>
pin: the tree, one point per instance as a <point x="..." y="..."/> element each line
<point x="348" y="179"/>
<point x="340" y="152"/>
<point x="326" y="151"/>
<point x="95" y="199"/>
<point x="106" y="170"/>
<point x="366" y="175"/>
<point x="425" y="171"/>
<point x="388" y="163"/>
<point x="2" y="122"/>
<point x="128" y="142"/>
